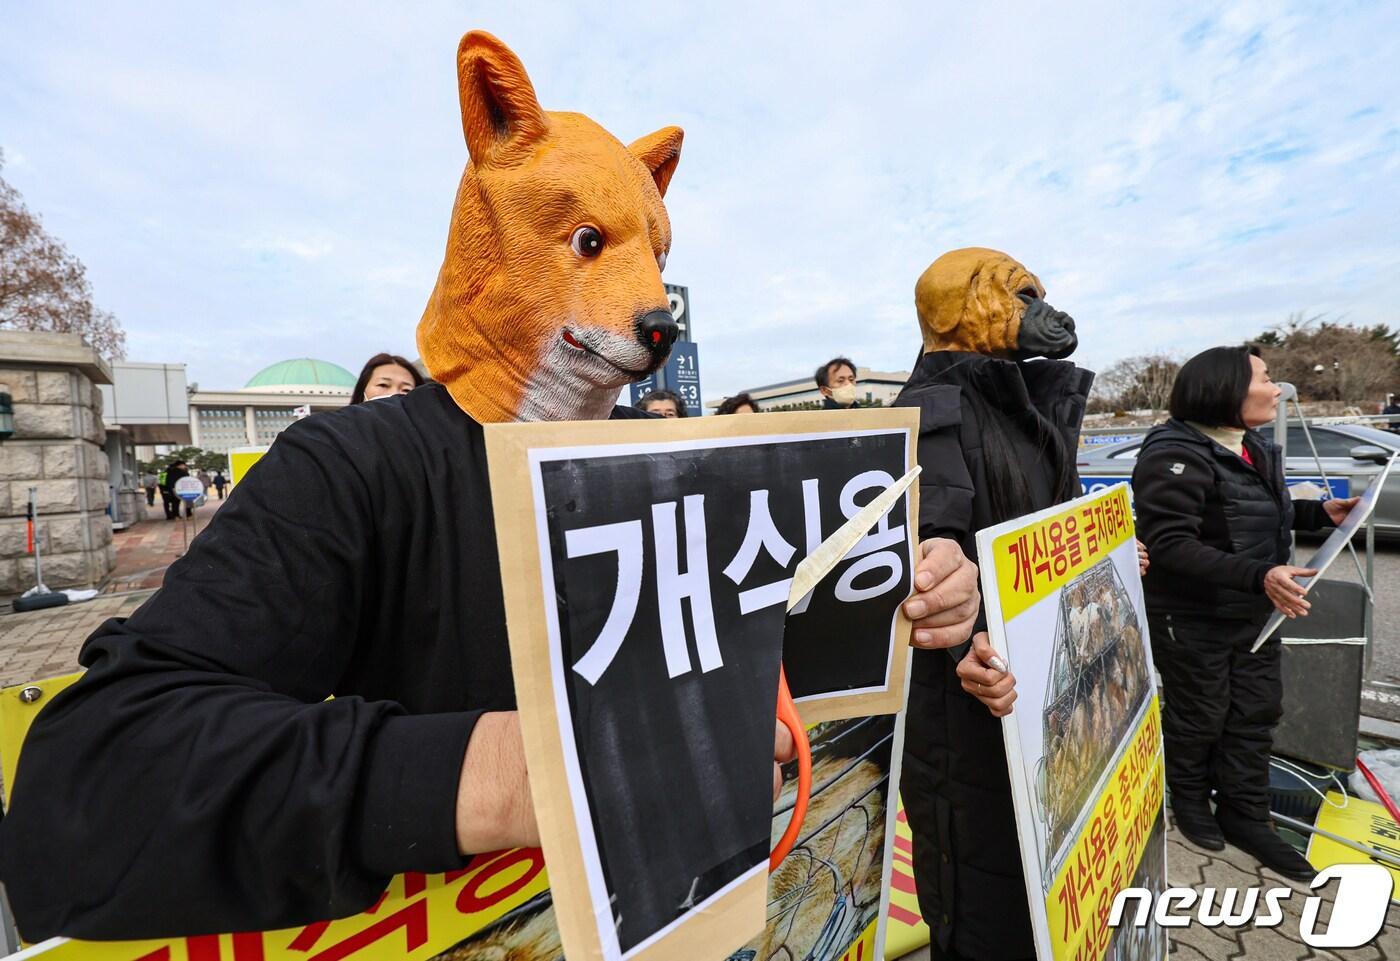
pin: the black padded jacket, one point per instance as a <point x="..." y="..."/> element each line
<point x="1213" y="523"/>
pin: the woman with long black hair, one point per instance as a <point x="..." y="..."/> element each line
<point x="385" y="375"/>
<point x="1215" y="513"/>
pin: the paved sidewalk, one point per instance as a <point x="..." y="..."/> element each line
<point x="146" y="550"/>
<point x="45" y="643"/>
<point x="1191" y="867"/>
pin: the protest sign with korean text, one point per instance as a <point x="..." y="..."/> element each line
<point x="1083" y="745"/>
<point x="647" y="567"/>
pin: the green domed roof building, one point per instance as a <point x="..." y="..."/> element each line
<point x="272" y="400"/>
<point x="300" y="373"/>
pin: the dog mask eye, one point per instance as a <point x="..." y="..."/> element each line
<point x="587" y="241"/>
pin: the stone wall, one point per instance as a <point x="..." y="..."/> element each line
<point x="57" y="448"/>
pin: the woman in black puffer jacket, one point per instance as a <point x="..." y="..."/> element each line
<point x="1215" y="514"/>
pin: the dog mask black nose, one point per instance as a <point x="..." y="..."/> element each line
<point x="1045" y="332"/>
<point x="658" y="331"/>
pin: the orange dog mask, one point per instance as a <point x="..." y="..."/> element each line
<point x="549" y="300"/>
<point x="981" y="301"/>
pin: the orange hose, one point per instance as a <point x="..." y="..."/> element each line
<point x="787" y="714"/>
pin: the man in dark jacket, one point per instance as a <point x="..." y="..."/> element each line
<point x="1392" y="406"/>
<point x="997" y="440"/>
<point x="1215" y="513"/>
<point x="174" y="473"/>
<point x="836" y="382"/>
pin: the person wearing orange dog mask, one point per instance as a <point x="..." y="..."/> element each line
<point x="998" y="433"/>
<point x="201" y="778"/>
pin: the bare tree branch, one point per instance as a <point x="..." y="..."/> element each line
<point x="43" y="286"/>
<point x="1143" y="382"/>
<point x="1330" y="360"/>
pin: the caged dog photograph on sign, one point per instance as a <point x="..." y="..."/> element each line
<point x="1098" y="682"/>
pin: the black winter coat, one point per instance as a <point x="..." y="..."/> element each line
<point x="956" y="793"/>
<point x="173" y="475"/>
<point x="196" y="779"/>
<point x="1213" y="524"/>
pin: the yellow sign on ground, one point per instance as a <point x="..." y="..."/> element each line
<point x="19" y="705"/>
<point x="498" y="906"/>
<point x="1363" y="821"/>
<point x="418" y="917"/>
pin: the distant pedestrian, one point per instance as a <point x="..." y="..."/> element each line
<point x="204" y="479"/>
<point x="836" y="381"/>
<point x="1392" y="406"/>
<point x="148" y="481"/>
<point x="664" y="403"/>
<point x="220" y="482"/>
<point x="738" y="404"/>
<point x="167" y="496"/>
<point x="385" y="375"/>
<point x="175" y="473"/>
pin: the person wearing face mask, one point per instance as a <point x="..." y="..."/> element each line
<point x="836" y="379"/>
<point x="385" y="375"/>
<point x="1216" y="516"/>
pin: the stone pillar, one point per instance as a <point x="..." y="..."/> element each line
<point x="57" y="448"/>
<point x="250" y="424"/>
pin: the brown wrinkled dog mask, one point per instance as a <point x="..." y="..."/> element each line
<point x="981" y="301"/>
<point x="549" y="299"/>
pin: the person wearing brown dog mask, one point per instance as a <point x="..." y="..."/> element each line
<point x="998" y="432"/>
<point x="206" y="780"/>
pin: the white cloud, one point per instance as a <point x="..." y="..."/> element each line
<point x="284" y="175"/>
<point x="305" y="249"/>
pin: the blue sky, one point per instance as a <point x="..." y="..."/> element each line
<point x="249" y="182"/>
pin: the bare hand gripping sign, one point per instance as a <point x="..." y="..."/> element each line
<point x="647" y="568"/>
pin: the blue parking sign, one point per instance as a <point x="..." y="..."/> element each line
<point x="681" y="374"/>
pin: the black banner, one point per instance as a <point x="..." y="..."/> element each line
<point x="671" y="575"/>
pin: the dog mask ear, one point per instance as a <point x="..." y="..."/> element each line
<point x="659" y="152"/>
<point x="500" y="113"/>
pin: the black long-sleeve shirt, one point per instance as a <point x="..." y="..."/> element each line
<point x="196" y="779"/>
